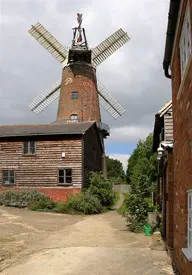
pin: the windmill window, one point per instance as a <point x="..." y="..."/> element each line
<point x="74" y="117"/>
<point x="75" y="95"/>
<point x="8" y="177"/>
<point x="65" y="176"/>
<point x="29" y="148"/>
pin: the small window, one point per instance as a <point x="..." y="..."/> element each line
<point x="65" y="176"/>
<point x="185" y="41"/>
<point x="29" y="148"/>
<point x="74" y="117"/>
<point x="8" y="177"/>
<point x="190" y="219"/>
<point x="75" y="95"/>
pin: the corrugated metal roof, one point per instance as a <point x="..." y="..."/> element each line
<point x="165" y="108"/>
<point x="44" y="129"/>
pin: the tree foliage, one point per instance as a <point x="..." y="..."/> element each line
<point x="102" y="188"/>
<point x="142" y="167"/>
<point x="142" y="176"/>
<point x="115" y="169"/>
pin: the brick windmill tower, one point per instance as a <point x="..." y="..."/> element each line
<point x="80" y="94"/>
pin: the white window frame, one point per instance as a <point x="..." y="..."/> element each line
<point x="185" y="44"/>
<point x="29" y="147"/>
<point x="8" y="183"/>
<point x="188" y="251"/>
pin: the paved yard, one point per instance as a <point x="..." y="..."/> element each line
<point x="35" y="243"/>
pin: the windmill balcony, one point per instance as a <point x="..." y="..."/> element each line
<point x="104" y="128"/>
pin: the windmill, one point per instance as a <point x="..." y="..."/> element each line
<point x="80" y="94"/>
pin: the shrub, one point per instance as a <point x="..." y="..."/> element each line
<point x="21" y="198"/>
<point x="81" y="203"/>
<point x="84" y="203"/>
<point x="134" y="225"/>
<point x="44" y="203"/>
<point x="60" y="207"/>
<point x="137" y="208"/>
<point x="136" y="205"/>
<point x="102" y="188"/>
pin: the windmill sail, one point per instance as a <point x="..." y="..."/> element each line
<point x="109" y="46"/>
<point x="58" y="51"/>
<point x="109" y="103"/>
<point x="106" y="100"/>
<point x="45" y="99"/>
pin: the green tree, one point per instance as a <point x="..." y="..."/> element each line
<point x="142" y="176"/>
<point x="142" y="167"/>
<point x="115" y="169"/>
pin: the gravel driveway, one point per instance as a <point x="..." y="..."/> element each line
<point x="35" y="243"/>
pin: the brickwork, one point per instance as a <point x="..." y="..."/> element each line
<point x="56" y="194"/>
<point x="82" y="79"/>
<point x="182" y="120"/>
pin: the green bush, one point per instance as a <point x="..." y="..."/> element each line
<point x="61" y="207"/>
<point x="137" y="208"/>
<point x="117" y="180"/>
<point x="81" y="203"/>
<point x="93" y="200"/>
<point x="134" y="225"/>
<point x="44" y="203"/>
<point x="21" y="198"/>
<point x="84" y="203"/>
<point x="102" y="188"/>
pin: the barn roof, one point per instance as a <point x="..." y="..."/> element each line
<point x="164" y="109"/>
<point x="21" y="130"/>
<point x="159" y="123"/>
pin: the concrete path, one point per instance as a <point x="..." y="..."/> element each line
<point x="72" y="245"/>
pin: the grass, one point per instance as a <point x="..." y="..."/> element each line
<point x="117" y="197"/>
<point x="122" y="209"/>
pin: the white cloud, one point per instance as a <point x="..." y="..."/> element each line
<point x="123" y="158"/>
<point x="129" y="133"/>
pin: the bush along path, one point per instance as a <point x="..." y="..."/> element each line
<point x="95" y="199"/>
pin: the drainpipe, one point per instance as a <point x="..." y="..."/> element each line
<point x="171" y="28"/>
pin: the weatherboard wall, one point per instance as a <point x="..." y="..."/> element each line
<point x="41" y="170"/>
<point x="168" y="125"/>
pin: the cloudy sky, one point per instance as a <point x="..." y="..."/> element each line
<point x="134" y="74"/>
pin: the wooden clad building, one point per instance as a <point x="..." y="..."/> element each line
<point x="54" y="158"/>
<point x="163" y="128"/>
<point x="163" y="144"/>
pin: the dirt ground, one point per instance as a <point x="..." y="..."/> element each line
<point x="36" y="243"/>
